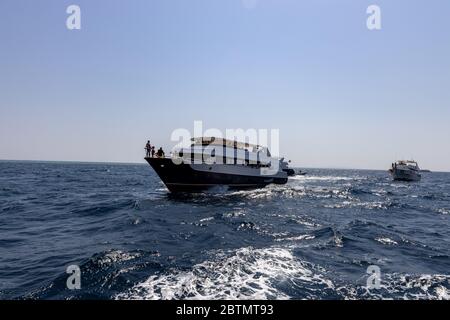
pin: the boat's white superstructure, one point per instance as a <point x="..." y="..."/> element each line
<point x="212" y="150"/>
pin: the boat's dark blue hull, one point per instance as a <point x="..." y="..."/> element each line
<point x="183" y="178"/>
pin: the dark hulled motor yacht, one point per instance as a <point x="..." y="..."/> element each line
<point x="215" y="162"/>
<point x="405" y="171"/>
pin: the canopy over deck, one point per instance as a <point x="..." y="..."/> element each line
<point x="223" y="142"/>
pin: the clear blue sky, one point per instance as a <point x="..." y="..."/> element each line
<point x="341" y="95"/>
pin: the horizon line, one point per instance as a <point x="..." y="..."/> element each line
<point x="143" y="163"/>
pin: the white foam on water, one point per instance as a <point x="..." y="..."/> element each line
<point x="247" y="274"/>
<point x="338" y="241"/>
<point x="297" y="238"/>
<point x="442" y="293"/>
<point x="383" y="205"/>
<point x="117" y="256"/>
<point x="305" y="222"/>
<point x="298" y="187"/>
<point x="236" y="213"/>
<point x="324" y="178"/>
<point x="271" y="191"/>
<point x="386" y="241"/>
<point x="254" y="194"/>
<point x="402" y="287"/>
<point x="425" y="286"/>
<point x="206" y="219"/>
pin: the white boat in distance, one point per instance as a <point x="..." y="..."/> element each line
<point x="405" y="170"/>
<point x="215" y="162"/>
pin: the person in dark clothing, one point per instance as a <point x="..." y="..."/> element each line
<point x="160" y="153"/>
<point x="153" y="151"/>
<point x="148" y="148"/>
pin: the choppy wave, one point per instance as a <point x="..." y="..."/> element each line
<point x="403" y="287"/>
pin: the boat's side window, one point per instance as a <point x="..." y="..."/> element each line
<point x="224" y="157"/>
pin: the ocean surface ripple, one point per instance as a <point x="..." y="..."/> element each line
<point x="313" y="238"/>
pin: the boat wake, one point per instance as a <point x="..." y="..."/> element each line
<point x="276" y="273"/>
<point x="247" y="274"/>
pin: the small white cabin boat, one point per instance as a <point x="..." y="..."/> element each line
<point x="405" y="170"/>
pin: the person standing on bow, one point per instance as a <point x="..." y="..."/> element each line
<point x="148" y="149"/>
